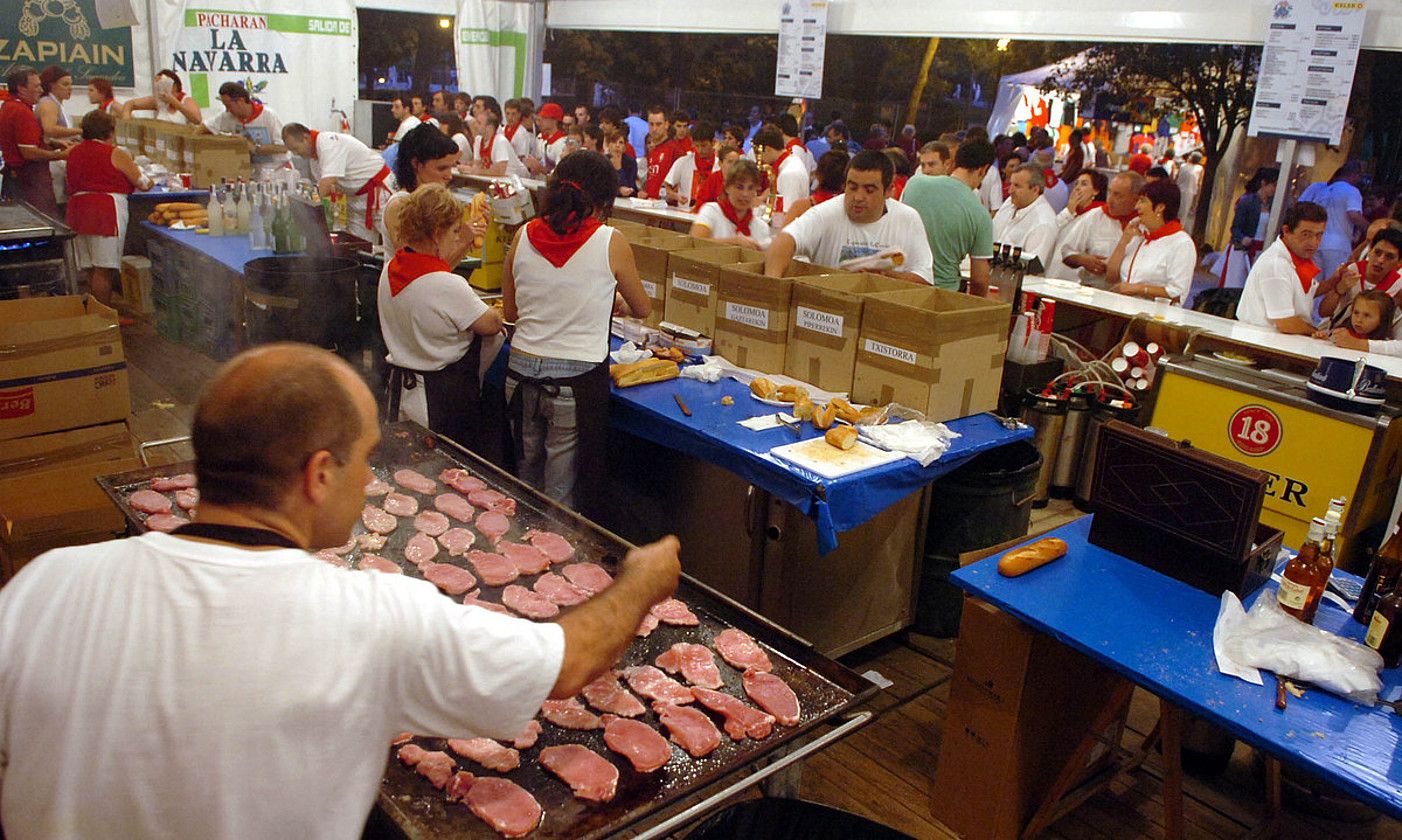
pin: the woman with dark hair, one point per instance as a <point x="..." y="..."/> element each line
<point x="169" y="100"/>
<point x="1155" y="257"/>
<point x="100" y="177"/>
<point x="563" y="279"/>
<point x="831" y="175"/>
<point x="58" y="87"/>
<point x="100" y="96"/>
<point x="1248" y="228"/>
<point x="730" y="220"/>
<point x="456" y="130"/>
<point x="426" y="156"/>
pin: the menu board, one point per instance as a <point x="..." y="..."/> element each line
<point x="803" y="38"/>
<point x="1307" y="67"/>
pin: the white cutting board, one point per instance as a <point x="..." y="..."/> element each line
<point x="819" y="457"/>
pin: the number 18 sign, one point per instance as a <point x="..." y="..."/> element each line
<point x="1254" y="430"/>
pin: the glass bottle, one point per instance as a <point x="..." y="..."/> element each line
<point x="256" y="234"/>
<point x="1302" y="583"/>
<point x="1382" y="579"/>
<point x="1385" y="629"/>
<point x="215" y="213"/>
<point x="244" y="208"/>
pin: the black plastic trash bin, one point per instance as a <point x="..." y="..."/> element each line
<point x="790" y="819"/>
<point x="983" y="503"/>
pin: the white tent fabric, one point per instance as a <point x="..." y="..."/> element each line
<point x="1012" y="87"/>
<point x="499" y="47"/>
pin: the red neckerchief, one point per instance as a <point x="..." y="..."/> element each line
<point x="788" y="147"/>
<point x="510" y="131"/>
<point x="1123" y="220"/>
<point x="106" y="103"/>
<point x="315" y="134"/>
<point x="1306" y="270"/>
<point x="819" y="196"/>
<point x="257" y="110"/>
<point x="704" y="165"/>
<point x="1092" y="206"/>
<point x="779" y="161"/>
<point x="558" y="248"/>
<point x="485" y="153"/>
<point x="1355" y="333"/>
<point x="1166" y="229"/>
<point x="554" y="138"/>
<point x="1050" y="176"/>
<point x="742" y="225"/>
<point x="683" y="146"/>
<point x="1387" y="282"/>
<point x="408" y="266"/>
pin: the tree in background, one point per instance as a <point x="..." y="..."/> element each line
<point x="1217" y="82"/>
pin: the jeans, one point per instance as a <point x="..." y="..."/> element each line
<point x="547" y="433"/>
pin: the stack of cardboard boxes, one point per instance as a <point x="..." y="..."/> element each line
<point x="178" y="147"/>
<point x="64" y="401"/>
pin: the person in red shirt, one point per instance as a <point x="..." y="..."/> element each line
<point x="100" y="177"/>
<point x="713" y="186"/>
<point x="1143" y="161"/>
<point x="661" y="152"/>
<point x="681" y="133"/>
<point x="22" y="146"/>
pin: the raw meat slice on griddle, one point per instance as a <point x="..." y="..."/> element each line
<point x="376" y="563"/>
<point x="493" y="569"/>
<point x="343" y="549"/>
<point x="457" y="540"/>
<point x="675" y="612"/>
<point x="450" y="579"/>
<point x="377" y="487"/>
<point x="500" y="803"/>
<point x="487" y="753"/>
<point x="588" y="576"/>
<point x="165" y="522"/>
<point x="689" y="728"/>
<point x="333" y="559"/>
<point x="434" y="765"/>
<point x="741" y="650"/>
<point x="431" y="522"/>
<point x="420" y="549"/>
<point x="694" y="662"/>
<point x="371" y="542"/>
<point x="492" y="525"/>
<point x="646" y="626"/>
<point x="489" y="499"/>
<point x="552" y="545"/>
<point x="655" y="685"/>
<point x="569" y="713"/>
<point x="187" y="498"/>
<point x="165" y="484"/>
<point x="415" y="481"/>
<point x="472" y="600"/>
<point x="377" y="520"/>
<point x="773" y="695"/>
<point x="528" y="736"/>
<point x="642" y="745"/>
<point x="589" y="775"/>
<point x="400" y="504"/>
<point x="149" y="501"/>
<point x="606" y="694"/>
<point x="741" y="719"/>
<point x="401" y="738"/>
<point x="560" y="590"/>
<point x="530" y="604"/>
<point x="462" y="481"/>
<point x="455" y="506"/>
<point x="526" y="558"/>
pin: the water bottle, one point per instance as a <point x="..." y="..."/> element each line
<point x="257" y="234"/>
<point x="216" y="214"/>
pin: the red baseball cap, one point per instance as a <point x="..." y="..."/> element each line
<point x="551" y="111"/>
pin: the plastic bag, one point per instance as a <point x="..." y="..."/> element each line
<point x="920" y="439"/>
<point x="1267" y="637"/>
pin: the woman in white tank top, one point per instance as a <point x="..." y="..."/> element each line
<point x="565" y="276"/>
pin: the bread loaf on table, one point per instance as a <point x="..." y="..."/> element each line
<point x="763" y="388"/>
<point x="643" y="372"/>
<point x="1020" y="561"/>
<point x="823" y="417"/>
<point x="843" y="437"/>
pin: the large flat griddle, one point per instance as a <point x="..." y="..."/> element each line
<point x="825" y="689"/>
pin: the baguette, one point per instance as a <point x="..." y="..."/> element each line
<point x="803" y="408"/>
<point x="670" y="353"/>
<point x="643" y="372"/>
<point x="823" y="417"/>
<point x="843" y="437"/>
<point x="844" y="410"/>
<point x="177" y="206"/>
<point x="791" y="393"/>
<point x="763" y="388"/>
<point x="1020" y="561"/>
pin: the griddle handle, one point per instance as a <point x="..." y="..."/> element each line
<point x="152" y="444"/>
<point x="664" y="828"/>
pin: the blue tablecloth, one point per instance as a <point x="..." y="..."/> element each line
<point x="1157" y="632"/>
<point x="232" y="251"/>
<point x="164" y="194"/>
<point x="713" y="434"/>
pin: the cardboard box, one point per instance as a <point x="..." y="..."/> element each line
<point x="136" y="284"/>
<point x="168" y="143"/>
<point x="932" y="350"/>
<point x="825" y="314"/>
<point x="691" y="283"/>
<point x="49" y="496"/>
<point x="67" y="369"/>
<point x="752" y="314"/>
<point x="1019" y="703"/>
<point x="208" y="158"/>
<point x="650" y="253"/>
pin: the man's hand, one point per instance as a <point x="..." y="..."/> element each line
<point x="1348" y="278"/>
<point x="657" y="567"/>
<point x="1090" y="262"/>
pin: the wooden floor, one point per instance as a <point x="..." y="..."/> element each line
<point x="884" y="772"/>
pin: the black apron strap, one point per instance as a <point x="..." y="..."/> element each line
<point x="454" y="398"/>
<point x="591" y="406"/>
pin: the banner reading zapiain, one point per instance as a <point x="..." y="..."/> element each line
<point x="299" y="62"/>
<point x="66" y="33"/>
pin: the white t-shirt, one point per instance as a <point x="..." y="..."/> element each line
<point x="825" y="236"/>
<point x="1033" y="227"/>
<point x="406" y="125"/>
<point x="1092" y="232"/>
<point x="522" y="141"/>
<point x="264" y="129"/>
<point x="1337" y="199"/>
<point x="349" y="161"/>
<point x="990" y="192"/>
<point x="711" y="216"/>
<point x="1273" y="290"/>
<point x="791" y="185"/>
<point x="1168" y="261"/>
<point x="680" y="177"/>
<point x="553" y="150"/>
<point x="565" y="312"/>
<point x="464" y="144"/>
<point x="159" y="687"/>
<point x="501" y="150"/>
<point x="428" y="325"/>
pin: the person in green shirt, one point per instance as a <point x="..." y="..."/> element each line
<point x="956" y="222"/>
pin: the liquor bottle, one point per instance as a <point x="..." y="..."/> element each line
<point x="1302" y="583"/>
<point x="280" y="245"/>
<point x="215" y="213"/>
<point x="1385" y="629"/>
<point x="1383" y="576"/>
<point x="267" y="206"/>
<point x="231" y="214"/>
<point x="257" y="236"/>
<point x="244" y="208"/>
